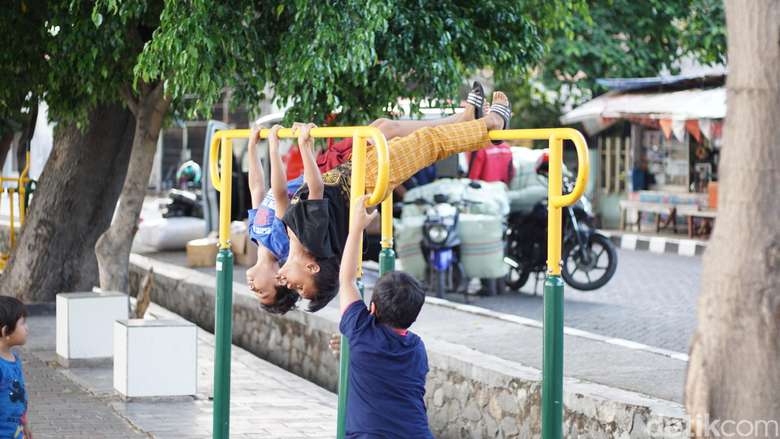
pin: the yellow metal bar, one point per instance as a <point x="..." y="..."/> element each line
<point x="358" y="181"/>
<point x="554" y="212"/>
<point x="10" y="192"/>
<point x="581" y="146"/>
<point x="556" y="199"/>
<point x="22" y="210"/>
<point x="214" y="162"/>
<point x="380" y="143"/>
<point x="226" y="183"/>
<point x="387" y="221"/>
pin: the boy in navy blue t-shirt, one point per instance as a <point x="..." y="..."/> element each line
<point x="388" y="364"/>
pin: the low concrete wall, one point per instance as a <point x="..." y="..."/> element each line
<point x="469" y="394"/>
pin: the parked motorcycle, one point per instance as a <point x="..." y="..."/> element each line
<point x="441" y="244"/>
<point x="187" y="201"/>
<point x="589" y="259"/>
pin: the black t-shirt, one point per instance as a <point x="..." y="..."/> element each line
<point x="322" y="225"/>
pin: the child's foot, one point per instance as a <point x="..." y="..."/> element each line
<point x="494" y="119"/>
<point x="474" y="103"/>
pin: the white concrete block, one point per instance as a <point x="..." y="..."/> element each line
<point x="657" y="244"/>
<point x="687" y="247"/>
<point x="85" y="323"/>
<point x="628" y="242"/>
<point x="155" y="358"/>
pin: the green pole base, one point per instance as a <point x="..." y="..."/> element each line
<point x="386" y="260"/>
<point x="341" y="419"/>
<point x="552" y="366"/>
<point x="223" y="331"/>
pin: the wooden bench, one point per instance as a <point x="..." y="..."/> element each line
<point x="693" y="212"/>
<point x="656" y="208"/>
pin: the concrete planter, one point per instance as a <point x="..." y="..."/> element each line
<point x="84" y="326"/>
<point x="155" y="358"/>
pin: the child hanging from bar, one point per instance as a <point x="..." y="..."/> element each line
<point x="268" y="207"/>
<point x="265" y="225"/>
<point x="317" y="219"/>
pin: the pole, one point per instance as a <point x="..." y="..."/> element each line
<point x="552" y="382"/>
<point x="358" y="187"/>
<point x="223" y="329"/>
<point x="223" y="312"/>
<point x="552" y="363"/>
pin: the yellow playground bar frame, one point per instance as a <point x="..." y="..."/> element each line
<point x="221" y="159"/>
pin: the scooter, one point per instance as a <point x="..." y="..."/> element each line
<point x="589" y="259"/>
<point x="441" y="243"/>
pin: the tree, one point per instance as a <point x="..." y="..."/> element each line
<point x="77" y="190"/>
<point x="732" y="372"/>
<point x="148" y="56"/>
<point x="615" y="38"/>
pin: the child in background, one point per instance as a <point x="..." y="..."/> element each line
<point x="13" y="397"/>
<point x="387" y="364"/>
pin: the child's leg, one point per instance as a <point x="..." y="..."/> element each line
<point x="400" y="128"/>
<point x="426" y="146"/>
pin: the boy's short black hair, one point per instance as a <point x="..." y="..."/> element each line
<point x="398" y="298"/>
<point x="327" y="282"/>
<point x="11" y="310"/>
<point x="284" y="301"/>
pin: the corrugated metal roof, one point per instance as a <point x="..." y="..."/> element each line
<point x="678" y="105"/>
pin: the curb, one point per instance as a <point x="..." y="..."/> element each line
<point x="656" y="244"/>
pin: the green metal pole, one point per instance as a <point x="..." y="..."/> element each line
<point x="386" y="261"/>
<point x="223" y="328"/>
<point x="552" y="366"/>
<point x="341" y="420"/>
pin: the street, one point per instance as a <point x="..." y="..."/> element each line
<point x="650" y="300"/>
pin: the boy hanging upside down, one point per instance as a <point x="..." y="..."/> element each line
<point x="317" y="218"/>
<point x="266" y="228"/>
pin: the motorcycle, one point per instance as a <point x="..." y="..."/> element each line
<point x="589" y="259"/>
<point x="186" y="201"/>
<point x="182" y="203"/>
<point x="441" y="245"/>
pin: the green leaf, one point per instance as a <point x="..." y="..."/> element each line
<point x="97" y="18"/>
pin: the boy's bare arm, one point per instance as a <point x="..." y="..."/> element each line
<point x="278" y="177"/>
<point x="348" y="291"/>
<point x="311" y="173"/>
<point x="256" y="176"/>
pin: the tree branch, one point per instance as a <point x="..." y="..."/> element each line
<point x="130" y="100"/>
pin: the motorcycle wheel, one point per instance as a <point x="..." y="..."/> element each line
<point x="599" y="247"/>
<point x="459" y="281"/>
<point x="516" y="277"/>
<point x="441" y="281"/>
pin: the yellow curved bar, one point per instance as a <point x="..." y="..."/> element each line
<point x="583" y="170"/>
<point x="214" y="161"/>
<point x="380" y="143"/>
<point x="556" y="200"/>
<point x="226" y="188"/>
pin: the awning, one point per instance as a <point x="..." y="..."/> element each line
<point x="597" y="114"/>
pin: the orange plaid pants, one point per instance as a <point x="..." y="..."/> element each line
<point x="425" y="147"/>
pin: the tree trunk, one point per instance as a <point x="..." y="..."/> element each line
<point x="73" y="205"/>
<point x="113" y="247"/>
<point x="734" y="368"/>
<point x="5" y="146"/>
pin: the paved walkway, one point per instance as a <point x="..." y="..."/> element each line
<point x="266" y="402"/>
